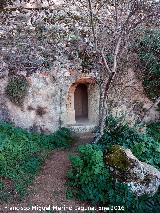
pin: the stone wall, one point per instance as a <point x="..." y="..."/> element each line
<point x="50" y="100"/>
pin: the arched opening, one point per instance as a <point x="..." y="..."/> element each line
<point x="82" y="105"/>
<point x="81" y="102"/>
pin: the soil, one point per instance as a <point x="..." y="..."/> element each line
<point x="49" y="187"/>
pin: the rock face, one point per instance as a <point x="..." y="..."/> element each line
<point x="55" y="54"/>
<point x="49" y="103"/>
<point x="4" y="113"/>
<point x="141" y="178"/>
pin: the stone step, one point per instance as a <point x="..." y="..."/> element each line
<point x="83" y="128"/>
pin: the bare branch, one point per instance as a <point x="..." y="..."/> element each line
<point x="92" y="24"/>
<point x="116" y="13"/>
<point x="105" y="62"/>
<point x="116" y="53"/>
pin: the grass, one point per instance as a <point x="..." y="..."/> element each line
<point x="21" y="156"/>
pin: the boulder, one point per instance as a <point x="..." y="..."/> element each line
<point x="141" y="178"/>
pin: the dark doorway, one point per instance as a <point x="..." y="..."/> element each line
<point x="81" y="102"/>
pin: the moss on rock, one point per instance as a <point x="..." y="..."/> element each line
<point x="116" y="157"/>
<point x="17" y="89"/>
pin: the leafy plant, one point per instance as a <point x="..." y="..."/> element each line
<point x="89" y="178"/>
<point x="17" y="89"/>
<point x="142" y="144"/>
<point x="154" y="130"/>
<point x="88" y="175"/>
<point x="21" y="156"/>
<point x="148" y="52"/>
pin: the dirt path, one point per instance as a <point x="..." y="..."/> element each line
<point x="49" y="186"/>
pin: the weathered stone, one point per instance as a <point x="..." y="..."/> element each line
<point x="4" y="113"/>
<point x="141" y="178"/>
<point x="58" y="95"/>
<point x="56" y="58"/>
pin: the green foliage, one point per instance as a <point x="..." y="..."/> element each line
<point x="149" y="55"/>
<point x="89" y="179"/>
<point x="21" y="155"/>
<point x="88" y="175"/>
<point x="143" y="146"/>
<point x="17" y="89"/>
<point x="154" y="130"/>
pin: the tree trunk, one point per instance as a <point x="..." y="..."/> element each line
<point x="101" y="122"/>
<point x="103" y="107"/>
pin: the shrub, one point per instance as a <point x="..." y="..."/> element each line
<point x="143" y="145"/>
<point x="21" y="155"/>
<point x="90" y="180"/>
<point x="88" y="175"/>
<point x="148" y="51"/>
<point x="154" y="130"/>
<point x="17" y="89"/>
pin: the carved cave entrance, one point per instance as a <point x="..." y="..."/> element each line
<point x="81" y="102"/>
